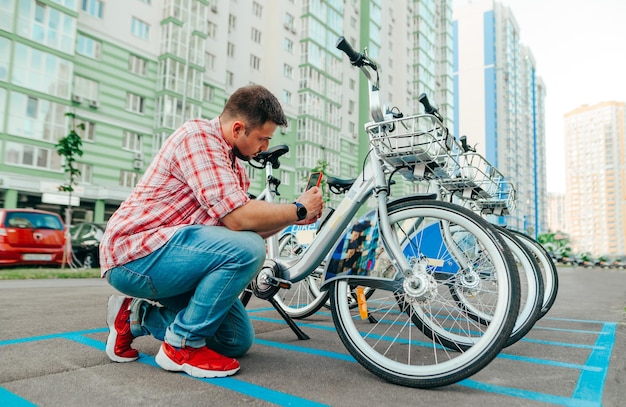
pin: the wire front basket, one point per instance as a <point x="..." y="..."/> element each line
<point x="417" y="147"/>
<point x="476" y="180"/>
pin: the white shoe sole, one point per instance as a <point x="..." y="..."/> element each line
<point x="168" y="364"/>
<point x="113" y="307"/>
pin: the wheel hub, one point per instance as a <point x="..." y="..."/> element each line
<point x="420" y="286"/>
<point x="263" y="286"/>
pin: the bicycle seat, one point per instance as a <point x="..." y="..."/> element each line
<point x="339" y="186"/>
<point x="271" y="156"/>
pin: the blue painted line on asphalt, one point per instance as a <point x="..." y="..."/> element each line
<point x="51" y="336"/>
<point x="588" y="391"/>
<point x="13" y="400"/>
<point x="575" y="331"/>
<point x="591" y="384"/>
<point x="528" y="395"/>
<point x="587" y="321"/>
<point x="501" y="355"/>
<point x="309" y="351"/>
<point x="563" y="344"/>
<point x="547" y="362"/>
<point x="229" y="383"/>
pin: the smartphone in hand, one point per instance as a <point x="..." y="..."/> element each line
<point x="315" y="178"/>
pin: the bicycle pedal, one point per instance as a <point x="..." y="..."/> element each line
<point x="278" y="282"/>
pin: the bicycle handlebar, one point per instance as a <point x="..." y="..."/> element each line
<point x="356" y="58"/>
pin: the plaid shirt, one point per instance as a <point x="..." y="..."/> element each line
<point x="194" y="179"/>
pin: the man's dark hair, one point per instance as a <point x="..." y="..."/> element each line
<point x="254" y="105"/>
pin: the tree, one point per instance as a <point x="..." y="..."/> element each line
<point x="69" y="148"/>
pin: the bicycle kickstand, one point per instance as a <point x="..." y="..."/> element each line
<point x="299" y="333"/>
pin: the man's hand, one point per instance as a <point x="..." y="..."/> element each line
<point x="314" y="203"/>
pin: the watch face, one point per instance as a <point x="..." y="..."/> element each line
<point x="301" y="211"/>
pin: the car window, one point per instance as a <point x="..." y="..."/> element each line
<point x="28" y="220"/>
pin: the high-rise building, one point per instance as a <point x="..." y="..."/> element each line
<point x="131" y="72"/>
<point x="595" y="178"/>
<point x="499" y="102"/>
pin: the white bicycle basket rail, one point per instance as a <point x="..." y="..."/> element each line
<point x="477" y="180"/>
<point x="418" y="147"/>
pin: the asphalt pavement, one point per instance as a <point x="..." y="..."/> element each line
<point x="53" y="337"/>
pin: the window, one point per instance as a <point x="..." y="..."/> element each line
<point x="5" y="48"/>
<point x="92" y="7"/>
<point x="209" y="93"/>
<point x="209" y="61"/>
<point x="41" y="71"/>
<point x="288" y="45"/>
<point x="6" y="10"/>
<point x="131" y="141"/>
<point x="31" y="156"/>
<point x="86" y="173"/>
<point x="255" y="62"/>
<point x="211" y="29"/>
<point x="232" y="23"/>
<point x="86" y="88"/>
<point x="134" y="103"/>
<point x="129" y="178"/>
<point x="230" y="78"/>
<point x="88" y="47"/>
<point x="286" y="97"/>
<point x="35" y="118"/>
<point x="88" y="132"/>
<point x="289" y="21"/>
<point x="139" y="29"/>
<point x="255" y="35"/>
<point x="32" y="107"/>
<point x="43" y="24"/>
<point x="137" y="65"/>
<point x="257" y="9"/>
<point x="287" y="71"/>
<point x="230" y="49"/>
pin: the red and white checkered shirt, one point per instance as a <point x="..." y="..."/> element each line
<point x="194" y="179"/>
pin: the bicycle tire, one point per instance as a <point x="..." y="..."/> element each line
<point x="385" y="342"/>
<point x="304" y="298"/>
<point x="531" y="289"/>
<point x="548" y="269"/>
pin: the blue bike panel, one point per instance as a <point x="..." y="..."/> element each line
<point x="428" y="243"/>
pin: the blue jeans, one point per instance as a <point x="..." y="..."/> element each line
<point x="197" y="277"/>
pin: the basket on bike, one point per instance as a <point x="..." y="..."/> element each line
<point x="418" y="147"/>
<point x="501" y="202"/>
<point x="475" y="177"/>
<point x="480" y="184"/>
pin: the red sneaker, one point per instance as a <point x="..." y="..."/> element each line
<point x="120" y="338"/>
<point x="196" y="362"/>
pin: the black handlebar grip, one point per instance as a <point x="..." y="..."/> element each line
<point x="423" y="99"/>
<point x="463" y="140"/>
<point x="344" y="45"/>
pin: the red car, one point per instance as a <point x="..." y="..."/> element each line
<point x="31" y="237"/>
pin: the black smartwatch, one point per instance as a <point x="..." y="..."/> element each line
<point x="300" y="210"/>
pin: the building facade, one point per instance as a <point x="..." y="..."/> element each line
<point x="131" y="72"/>
<point x="500" y="105"/>
<point x="595" y="178"/>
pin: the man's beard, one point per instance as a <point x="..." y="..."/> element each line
<point x="239" y="155"/>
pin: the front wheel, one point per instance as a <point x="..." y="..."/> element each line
<point x="408" y="319"/>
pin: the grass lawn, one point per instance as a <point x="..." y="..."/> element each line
<point x="32" y="273"/>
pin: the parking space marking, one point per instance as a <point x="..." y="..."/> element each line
<point x="588" y="390"/>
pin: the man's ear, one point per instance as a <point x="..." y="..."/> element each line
<point x="238" y="128"/>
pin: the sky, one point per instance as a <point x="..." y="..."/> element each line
<point x="579" y="48"/>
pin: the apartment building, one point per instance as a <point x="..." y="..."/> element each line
<point x="595" y="178"/>
<point x="500" y="105"/>
<point x="132" y="71"/>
